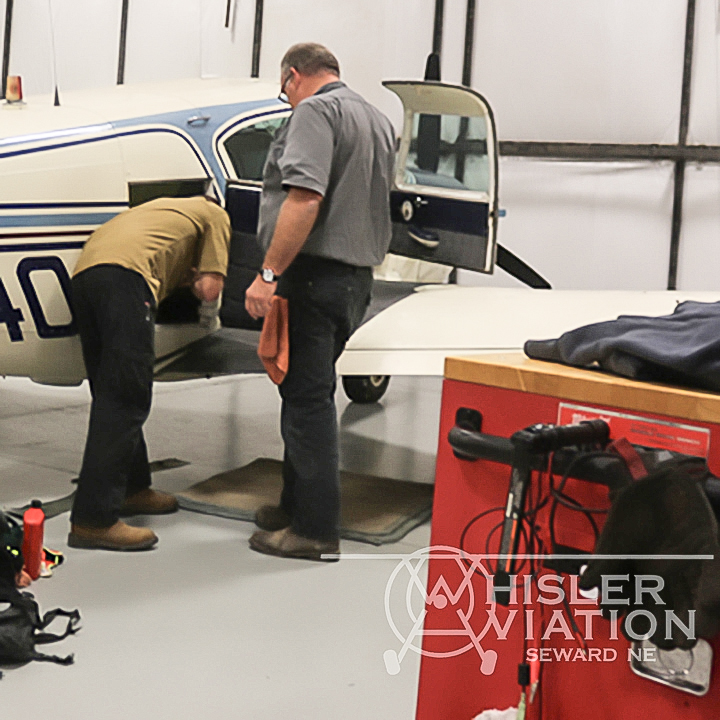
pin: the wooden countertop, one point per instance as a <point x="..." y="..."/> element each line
<point x="515" y="371"/>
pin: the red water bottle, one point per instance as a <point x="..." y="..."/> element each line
<point x="33" y="531"/>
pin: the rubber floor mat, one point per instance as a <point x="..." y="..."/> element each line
<point x="375" y="510"/>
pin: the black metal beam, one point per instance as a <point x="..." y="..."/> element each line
<point x="469" y="43"/>
<point x="676" y="226"/>
<point x="461" y="157"/>
<point x="687" y="73"/>
<point x="679" y="180"/>
<point x="611" y="152"/>
<point x="123" y="42"/>
<point x="6" y="44"/>
<point x="257" y="39"/>
<point x="438" y="26"/>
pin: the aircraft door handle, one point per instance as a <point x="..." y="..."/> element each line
<point x="408" y="207"/>
<point x="426" y="238"/>
<point x="198" y="120"/>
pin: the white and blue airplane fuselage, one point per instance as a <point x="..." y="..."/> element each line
<point x="66" y="170"/>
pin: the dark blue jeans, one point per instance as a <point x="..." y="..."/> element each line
<point x="326" y="303"/>
<point x="115" y="314"/>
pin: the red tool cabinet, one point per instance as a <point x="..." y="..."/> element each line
<point x="463" y="634"/>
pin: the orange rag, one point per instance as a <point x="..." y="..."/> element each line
<point x="274" y="345"/>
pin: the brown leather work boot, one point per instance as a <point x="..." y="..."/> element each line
<point x="149" y="502"/>
<point x="286" y="543"/>
<point x="116" y="537"/>
<point x="272" y="517"/>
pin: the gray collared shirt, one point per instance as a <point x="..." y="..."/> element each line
<point x="342" y="147"/>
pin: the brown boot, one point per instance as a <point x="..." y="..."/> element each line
<point x="116" y="537"/>
<point x="149" y="502"/>
<point x="286" y="543"/>
<point x="271" y="517"/>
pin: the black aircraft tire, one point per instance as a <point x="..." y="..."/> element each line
<point x="365" y="388"/>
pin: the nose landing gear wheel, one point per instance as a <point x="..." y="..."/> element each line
<point x="365" y="388"/>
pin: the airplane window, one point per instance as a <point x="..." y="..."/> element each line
<point x="142" y="192"/>
<point x="448" y="151"/>
<point x="248" y="148"/>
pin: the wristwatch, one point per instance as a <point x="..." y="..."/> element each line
<point x="268" y="275"/>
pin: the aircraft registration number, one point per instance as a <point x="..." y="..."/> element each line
<point x="12" y="317"/>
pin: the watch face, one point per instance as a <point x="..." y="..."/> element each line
<point x="268" y="275"/>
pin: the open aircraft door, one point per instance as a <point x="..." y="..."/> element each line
<point x="444" y="202"/>
<point x="241" y="147"/>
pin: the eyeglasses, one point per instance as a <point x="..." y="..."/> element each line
<point x="282" y="97"/>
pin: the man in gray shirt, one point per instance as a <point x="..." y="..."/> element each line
<point x="324" y="222"/>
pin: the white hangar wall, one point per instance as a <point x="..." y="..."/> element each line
<point x="553" y="70"/>
<point x="559" y="70"/>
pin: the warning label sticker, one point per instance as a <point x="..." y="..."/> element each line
<point x="647" y="432"/>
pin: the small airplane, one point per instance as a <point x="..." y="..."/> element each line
<point x="65" y="170"/>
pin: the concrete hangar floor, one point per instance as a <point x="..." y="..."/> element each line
<point x="203" y="627"/>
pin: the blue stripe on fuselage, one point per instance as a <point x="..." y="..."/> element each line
<point x="47" y="220"/>
<point x="35" y="247"/>
<point x="60" y="205"/>
<point x="110" y="136"/>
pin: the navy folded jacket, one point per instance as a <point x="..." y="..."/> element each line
<point x="680" y="349"/>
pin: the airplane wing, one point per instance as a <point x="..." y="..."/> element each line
<point x="411" y="329"/>
<point x="415" y="335"/>
<point x="232" y="351"/>
<point x="227" y="352"/>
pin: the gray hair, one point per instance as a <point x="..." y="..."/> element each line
<point x="310" y="59"/>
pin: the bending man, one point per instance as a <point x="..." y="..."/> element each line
<point x="127" y="266"/>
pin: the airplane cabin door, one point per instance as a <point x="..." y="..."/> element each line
<point x="242" y="149"/>
<point x="444" y="200"/>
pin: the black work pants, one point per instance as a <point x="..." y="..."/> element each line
<point x="326" y="303"/>
<point x="115" y="314"/>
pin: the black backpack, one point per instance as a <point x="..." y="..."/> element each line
<point x="22" y="627"/>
